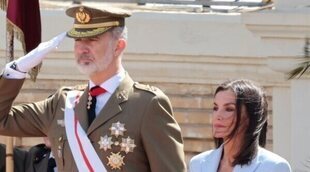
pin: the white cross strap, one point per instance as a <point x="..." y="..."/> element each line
<point x="84" y="154"/>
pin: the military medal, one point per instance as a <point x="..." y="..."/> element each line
<point x="116" y="161"/>
<point x="105" y="143"/>
<point x="127" y="145"/>
<point x="117" y="129"/>
<point x="122" y="144"/>
<point x="89" y="101"/>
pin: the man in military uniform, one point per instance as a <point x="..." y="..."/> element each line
<point x="40" y="159"/>
<point x="19" y="158"/>
<point x="37" y="159"/>
<point x="110" y="124"/>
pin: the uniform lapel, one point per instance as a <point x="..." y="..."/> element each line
<point x="81" y="111"/>
<point x="113" y="107"/>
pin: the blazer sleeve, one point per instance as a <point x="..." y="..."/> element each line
<point x="282" y="166"/>
<point x="32" y="119"/>
<point x="161" y="137"/>
<point x="195" y="163"/>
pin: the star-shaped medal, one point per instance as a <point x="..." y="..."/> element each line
<point x="116" y="161"/>
<point x="127" y="145"/>
<point x="117" y="129"/>
<point x="105" y="142"/>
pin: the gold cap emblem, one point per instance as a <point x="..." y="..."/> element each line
<point x="82" y="16"/>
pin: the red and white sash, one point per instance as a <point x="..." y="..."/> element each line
<point x="84" y="154"/>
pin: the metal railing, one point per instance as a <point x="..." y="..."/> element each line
<point x="204" y="3"/>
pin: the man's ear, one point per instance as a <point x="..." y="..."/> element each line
<point x="121" y="45"/>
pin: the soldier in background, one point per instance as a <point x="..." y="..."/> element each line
<point x="37" y="159"/>
<point x="19" y="158"/>
<point x="40" y="158"/>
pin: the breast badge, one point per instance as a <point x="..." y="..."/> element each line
<point x="127" y="145"/>
<point x="117" y="140"/>
<point x="116" y="160"/>
<point x="117" y="129"/>
<point x="105" y="142"/>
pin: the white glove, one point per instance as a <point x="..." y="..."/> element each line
<point x="35" y="57"/>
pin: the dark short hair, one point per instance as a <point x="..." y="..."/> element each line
<point x="254" y="100"/>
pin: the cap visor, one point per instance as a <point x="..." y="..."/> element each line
<point x="86" y="33"/>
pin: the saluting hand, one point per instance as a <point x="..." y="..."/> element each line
<point x="35" y="57"/>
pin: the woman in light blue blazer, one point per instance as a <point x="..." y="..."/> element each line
<point x="239" y="123"/>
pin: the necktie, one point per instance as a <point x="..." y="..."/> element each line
<point x="51" y="165"/>
<point x="91" y="105"/>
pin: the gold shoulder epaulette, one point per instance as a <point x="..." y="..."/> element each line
<point x="146" y="87"/>
<point x="80" y="87"/>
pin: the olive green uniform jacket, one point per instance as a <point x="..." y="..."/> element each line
<point x="144" y="110"/>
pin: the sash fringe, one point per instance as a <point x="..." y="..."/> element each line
<point x="3" y="4"/>
<point x="19" y="35"/>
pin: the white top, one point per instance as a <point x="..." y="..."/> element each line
<point x="52" y="156"/>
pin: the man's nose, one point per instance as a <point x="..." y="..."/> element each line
<point x="81" y="47"/>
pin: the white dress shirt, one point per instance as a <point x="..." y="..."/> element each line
<point x="52" y="156"/>
<point x="110" y="86"/>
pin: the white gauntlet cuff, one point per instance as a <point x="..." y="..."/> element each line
<point x="10" y="73"/>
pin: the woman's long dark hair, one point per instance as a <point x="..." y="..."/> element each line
<point x="254" y="100"/>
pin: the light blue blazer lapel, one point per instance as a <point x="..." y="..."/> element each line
<point x="213" y="161"/>
<point x="207" y="161"/>
<point x="210" y="160"/>
<point x="251" y="167"/>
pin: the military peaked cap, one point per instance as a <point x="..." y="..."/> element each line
<point x="90" y="22"/>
